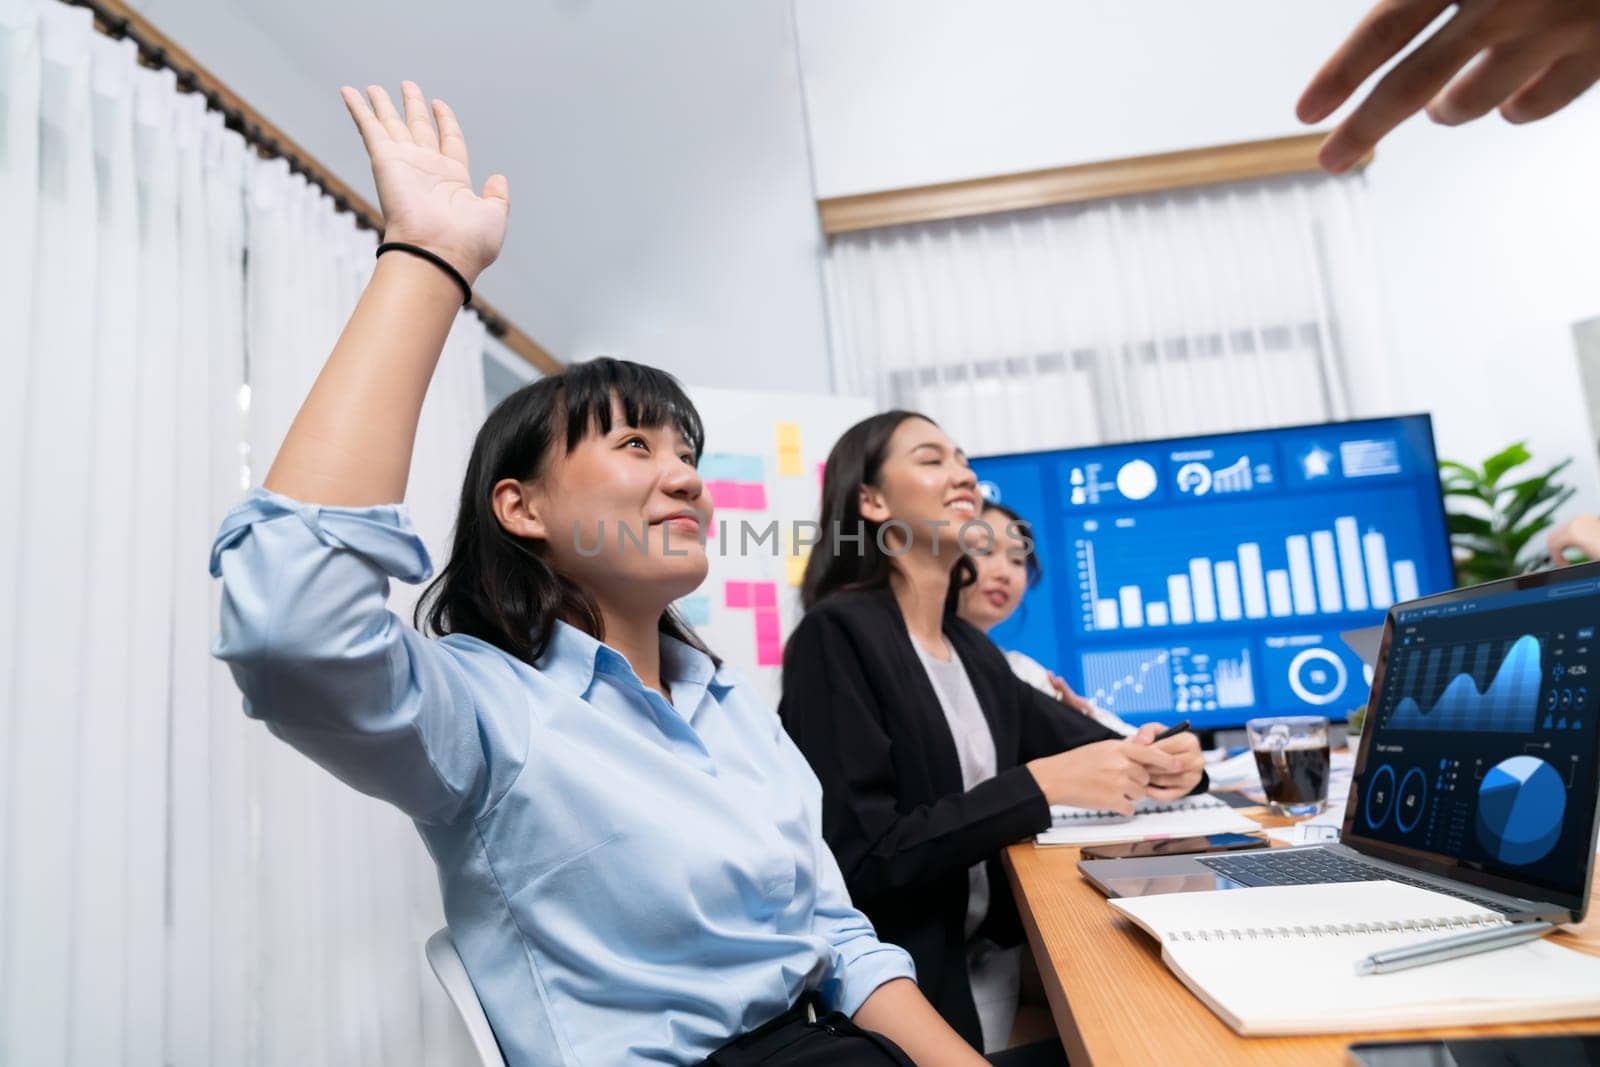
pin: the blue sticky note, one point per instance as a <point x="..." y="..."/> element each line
<point x="696" y="610"/>
<point x="731" y="467"/>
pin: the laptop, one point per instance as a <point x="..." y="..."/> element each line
<point x="1479" y="768"/>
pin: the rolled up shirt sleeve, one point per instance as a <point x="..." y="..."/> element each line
<point x="324" y="663"/>
<point x="861" y="963"/>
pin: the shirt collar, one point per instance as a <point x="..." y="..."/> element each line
<point x="681" y="662"/>
<point x="569" y="658"/>
<point x="572" y="657"/>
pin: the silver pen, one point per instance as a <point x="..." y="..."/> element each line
<point x="1449" y="948"/>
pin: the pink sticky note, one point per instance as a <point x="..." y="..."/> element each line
<point x="769" y="654"/>
<point x="736" y="595"/>
<point x="755" y="496"/>
<point x="724" y="494"/>
<point x="766" y="625"/>
<point x="765" y="594"/>
<point x="820" y="468"/>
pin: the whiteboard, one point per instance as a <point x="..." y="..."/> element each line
<point x="762" y="469"/>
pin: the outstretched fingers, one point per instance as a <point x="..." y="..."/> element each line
<point x="367" y="124"/>
<point x="451" y="140"/>
<point x="383" y="107"/>
<point x="1557" y="86"/>
<point x="1400" y="93"/>
<point x="417" y="120"/>
<point x="1387" y="29"/>
<point x="1490" y="80"/>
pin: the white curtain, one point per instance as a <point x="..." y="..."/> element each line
<point x="176" y="887"/>
<point x="1228" y="307"/>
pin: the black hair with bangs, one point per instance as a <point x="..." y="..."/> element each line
<point x="501" y="588"/>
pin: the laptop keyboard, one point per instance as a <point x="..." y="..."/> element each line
<point x="1318" y="866"/>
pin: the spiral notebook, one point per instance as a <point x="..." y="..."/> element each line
<point x="1189" y="817"/>
<point x="1281" y="960"/>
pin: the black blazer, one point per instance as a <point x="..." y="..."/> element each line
<point x="858" y="703"/>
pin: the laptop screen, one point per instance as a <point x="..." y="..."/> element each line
<point x="1479" y="760"/>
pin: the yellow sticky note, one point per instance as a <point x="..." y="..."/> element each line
<point x="789" y="462"/>
<point x="796" y="565"/>
<point x="788" y="435"/>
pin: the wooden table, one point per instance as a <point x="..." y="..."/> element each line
<point x="1115" y="1002"/>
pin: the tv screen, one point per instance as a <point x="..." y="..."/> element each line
<point x="1209" y="578"/>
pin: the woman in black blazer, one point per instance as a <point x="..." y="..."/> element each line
<point x="933" y="755"/>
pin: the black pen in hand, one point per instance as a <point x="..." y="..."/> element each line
<point x="1171" y="731"/>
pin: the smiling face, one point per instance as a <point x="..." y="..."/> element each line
<point x="1002" y="574"/>
<point x="593" y="508"/>
<point x="924" y="481"/>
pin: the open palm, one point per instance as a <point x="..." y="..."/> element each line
<point x="424" y="185"/>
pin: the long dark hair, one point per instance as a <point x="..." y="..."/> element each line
<point x="857" y="460"/>
<point x="499" y="587"/>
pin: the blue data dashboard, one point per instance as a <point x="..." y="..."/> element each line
<point x="1209" y="578"/>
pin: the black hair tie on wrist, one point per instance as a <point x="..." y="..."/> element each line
<point x="436" y="260"/>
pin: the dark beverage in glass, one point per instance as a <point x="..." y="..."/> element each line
<point x="1292" y="758"/>
<point x="1294" y="777"/>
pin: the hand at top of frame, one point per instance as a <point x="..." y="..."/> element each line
<point x="424" y="187"/>
<point x="1533" y="57"/>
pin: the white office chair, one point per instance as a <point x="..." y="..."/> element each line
<point x="452" y="974"/>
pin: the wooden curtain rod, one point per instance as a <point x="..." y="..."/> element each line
<point x="115" y="19"/>
<point x="1070" y="185"/>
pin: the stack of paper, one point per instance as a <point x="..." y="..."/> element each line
<point x="1189" y="817"/>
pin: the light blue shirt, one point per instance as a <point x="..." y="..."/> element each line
<point x="628" y="880"/>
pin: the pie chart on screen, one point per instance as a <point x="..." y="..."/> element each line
<point x="1520" y="804"/>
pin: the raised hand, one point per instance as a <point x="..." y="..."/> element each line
<point x="1534" y="57"/>
<point x="424" y="187"/>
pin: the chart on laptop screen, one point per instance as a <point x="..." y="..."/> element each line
<point x="1208" y="578"/>
<point x="1484" y="742"/>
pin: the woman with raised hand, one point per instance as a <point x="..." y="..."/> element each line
<point x="933" y="755"/>
<point x="628" y="845"/>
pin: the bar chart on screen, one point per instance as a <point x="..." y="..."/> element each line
<point x="1212" y="576"/>
<point x="1141" y="573"/>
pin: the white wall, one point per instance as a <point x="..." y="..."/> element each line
<point x="910" y="92"/>
<point x="1489" y="243"/>
<point x="662" y="205"/>
<point x="1486" y="237"/>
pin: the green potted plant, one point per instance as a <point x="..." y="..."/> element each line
<point x="1494" y="517"/>
<point x="1353" y="725"/>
